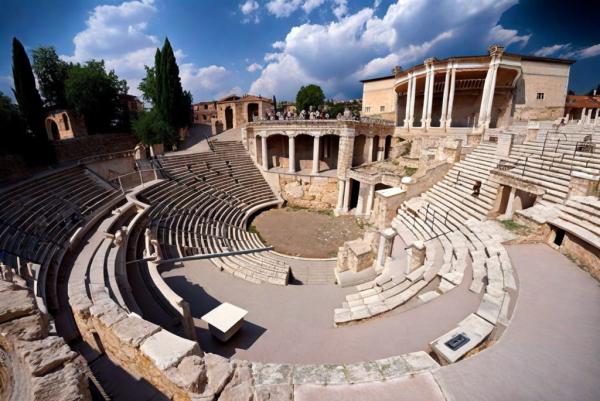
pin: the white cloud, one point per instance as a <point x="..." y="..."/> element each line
<point x="310" y="5"/>
<point x="362" y="44"/>
<point x="340" y="8"/>
<point x="254" y="67"/>
<point x="554" y="49"/>
<point x="586" y="52"/>
<point x="249" y="6"/>
<point x="118" y="34"/>
<point x="283" y="8"/>
<point x="499" y="35"/>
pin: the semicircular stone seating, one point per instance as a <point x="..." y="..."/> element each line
<point x="203" y="206"/>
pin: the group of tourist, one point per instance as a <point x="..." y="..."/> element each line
<point x="311" y="115"/>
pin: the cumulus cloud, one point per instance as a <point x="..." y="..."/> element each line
<point x="586" y="52"/>
<point x="362" y="44"/>
<point x="310" y="5"/>
<point x="340" y="8"/>
<point x="254" y="67"/>
<point x="249" y="6"/>
<point x="119" y="35"/>
<point x="507" y="36"/>
<point x="283" y="8"/>
<point x="552" y="50"/>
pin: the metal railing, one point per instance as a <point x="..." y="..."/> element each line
<point x="127" y="181"/>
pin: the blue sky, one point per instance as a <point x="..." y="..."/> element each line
<point x="272" y="47"/>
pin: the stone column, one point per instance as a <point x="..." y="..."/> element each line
<point x="485" y="94"/>
<point x="386" y="241"/>
<point x="147" y="243"/>
<point x="596" y="118"/>
<point x="416" y="256"/>
<point x="346" y="206"/>
<point x="408" y="98"/>
<point x="340" y="201"/>
<point x="509" y="205"/>
<point x="413" y="96"/>
<point x="490" y="102"/>
<point x="370" y="142"/>
<point x="315" y="165"/>
<point x="451" y="99"/>
<point x="360" y="205"/>
<point x="265" y="159"/>
<point x="445" y="98"/>
<point x="370" y="200"/>
<point x="425" y="98"/>
<point x="582" y="118"/>
<point x="380" y="149"/>
<point x="430" y="96"/>
<point x="292" y="154"/>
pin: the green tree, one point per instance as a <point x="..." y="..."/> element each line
<point x="148" y="85"/>
<point x="274" y="104"/>
<point x="51" y="73"/>
<point x="170" y="97"/>
<point x="311" y="95"/>
<point x="13" y="126"/>
<point x="151" y="128"/>
<point x="30" y="105"/>
<point x="95" y="94"/>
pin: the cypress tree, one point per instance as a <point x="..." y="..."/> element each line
<point x="170" y="94"/>
<point x="30" y="103"/>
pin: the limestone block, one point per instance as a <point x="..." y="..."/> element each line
<point x="393" y="367"/>
<point x="15" y="304"/>
<point x="363" y="372"/>
<point x="133" y="330"/>
<point x="319" y="374"/>
<point x="189" y="374"/>
<point x="360" y="255"/>
<point x="279" y="392"/>
<point x="42" y="356"/>
<point x="272" y="373"/>
<point x="166" y="349"/>
<point x="419" y="361"/>
<point x="66" y="384"/>
<point x="218" y="372"/>
<point x="28" y="328"/>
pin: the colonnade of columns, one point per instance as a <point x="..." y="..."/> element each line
<point x="586" y="116"/>
<point x="487" y="98"/>
<point x="366" y="197"/>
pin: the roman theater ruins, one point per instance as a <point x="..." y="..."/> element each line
<point x="444" y="246"/>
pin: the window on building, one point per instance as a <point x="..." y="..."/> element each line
<point x="540" y="95"/>
<point x="367" y="109"/>
<point x="382" y="108"/>
<point x="205" y="106"/>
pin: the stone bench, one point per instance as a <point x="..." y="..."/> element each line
<point x="225" y="320"/>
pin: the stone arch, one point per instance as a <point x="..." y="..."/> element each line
<point x="252" y="112"/>
<point x="278" y="150"/>
<point x="328" y="151"/>
<point x="65" y="121"/>
<point x="228" y="117"/>
<point x="52" y="129"/>
<point x="360" y="147"/>
<point x="304" y="144"/>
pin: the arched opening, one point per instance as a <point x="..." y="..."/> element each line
<point x="65" y="121"/>
<point x="228" y="117"/>
<point x="375" y="149"/>
<point x="278" y="150"/>
<point x="52" y="129"/>
<point x="358" y="154"/>
<point x="252" y="112"/>
<point x="388" y="147"/>
<point x="354" y="192"/>
<point x="304" y="151"/>
<point x="328" y="151"/>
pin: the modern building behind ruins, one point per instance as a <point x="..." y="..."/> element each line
<point x="470" y="92"/>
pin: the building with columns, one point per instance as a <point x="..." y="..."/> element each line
<point x="471" y="93"/>
<point x="584" y="109"/>
<point x="320" y="154"/>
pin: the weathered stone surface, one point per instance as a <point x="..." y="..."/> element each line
<point x="272" y="373"/>
<point x="190" y="374"/>
<point x="133" y="330"/>
<point x="108" y="312"/>
<point x="218" y="372"/>
<point x="42" y="356"/>
<point x="363" y="372"/>
<point x="319" y="374"/>
<point x="240" y="392"/>
<point x="66" y="384"/>
<point x="28" y="328"/>
<point x="15" y="304"/>
<point x="278" y="392"/>
<point x="420" y="360"/>
<point x="393" y="367"/>
<point x="165" y="349"/>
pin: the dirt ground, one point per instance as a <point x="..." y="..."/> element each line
<point x="300" y="232"/>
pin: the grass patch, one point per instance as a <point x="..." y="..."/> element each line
<point x="295" y="208"/>
<point x="512" y="226"/>
<point x="408" y="171"/>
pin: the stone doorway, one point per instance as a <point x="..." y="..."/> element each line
<point x="228" y="118"/>
<point x="252" y="112"/>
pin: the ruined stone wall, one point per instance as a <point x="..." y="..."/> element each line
<point x="92" y="145"/>
<point x="34" y="365"/>
<point x="309" y="191"/>
<point x="584" y="254"/>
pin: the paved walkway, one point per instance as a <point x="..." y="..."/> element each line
<point x="551" y="349"/>
<point x="294" y="324"/>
